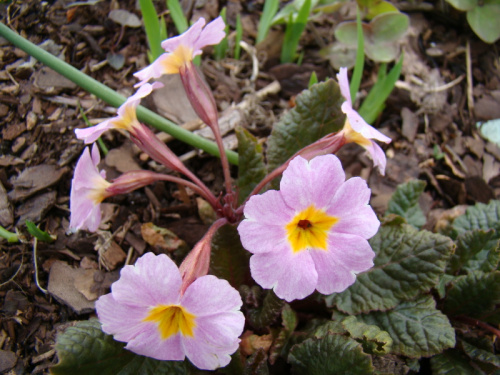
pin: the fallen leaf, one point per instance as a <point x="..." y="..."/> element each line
<point x="34" y="209"/>
<point x="161" y="238"/>
<point x="125" y="18"/>
<point x="34" y="179"/>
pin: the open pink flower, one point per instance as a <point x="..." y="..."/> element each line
<point x="181" y="49"/>
<point x="312" y="234"/>
<point x="146" y="310"/>
<point x="126" y="119"/>
<point x="88" y="190"/>
<point x="358" y="130"/>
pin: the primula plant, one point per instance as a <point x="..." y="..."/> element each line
<point x="297" y="273"/>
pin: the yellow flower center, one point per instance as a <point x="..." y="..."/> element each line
<point x="99" y="192"/>
<point x="172" y="319"/>
<point x="353" y="136"/>
<point x="128" y="120"/>
<point x="177" y="59"/>
<point x="309" y="229"/>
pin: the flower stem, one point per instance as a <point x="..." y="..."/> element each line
<point x="110" y="96"/>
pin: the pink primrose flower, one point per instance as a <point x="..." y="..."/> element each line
<point x="126" y="119"/>
<point x="358" y="130"/>
<point x="312" y="233"/>
<point x="88" y="190"/>
<point x="180" y="50"/>
<point x="146" y="310"/>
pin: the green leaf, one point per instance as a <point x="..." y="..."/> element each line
<point x="373" y="339"/>
<point x="294" y="29"/>
<point x="251" y="166"/>
<point x="316" y="113"/>
<point x="483" y="19"/>
<point x="444" y="280"/>
<point x="408" y="262"/>
<point x="389" y="27"/>
<point x="229" y="260"/>
<point x="38" y="233"/>
<point x="84" y="349"/>
<point x="463" y="4"/>
<point x="416" y="327"/>
<point x="237" y="39"/>
<point x="152" y="26"/>
<point x="331" y="354"/>
<point x="452" y="362"/>
<point x="180" y="20"/>
<point x="268" y="13"/>
<point x="289" y="318"/>
<point x="477" y="250"/>
<point x="357" y="74"/>
<point x="404" y="202"/>
<point x="481" y="216"/>
<point x="267" y="314"/>
<point x="474" y="295"/>
<point x="481" y="355"/>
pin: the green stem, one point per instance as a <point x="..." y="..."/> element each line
<point x="112" y="97"/>
<point x="9" y="236"/>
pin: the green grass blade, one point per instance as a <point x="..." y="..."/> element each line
<point x="357" y="74"/>
<point x="239" y="35"/>
<point x="9" y="236"/>
<point x="375" y="101"/>
<point x="180" y="20"/>
<point x="313" y="80"/>
<point x="38" y="233"/>
<point x="220" y="49"/>
<point x="152" y="26"/>
<point x="293" y="32"/>
<point x="266" y="19"/>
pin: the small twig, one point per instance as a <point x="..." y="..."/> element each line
<point x="35" y="264"/>
<point x="255" y="62"/>
<point x="480" y="324"/>
<point x="15" y="274"/>
<point x="129" y="255"/>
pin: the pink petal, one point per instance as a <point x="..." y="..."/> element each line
<point x="212" y="34"/>
<point x="188" y="38"/>
<point x="344" y="85"/>
<point x="152" y="281"/>
<point x="315" y="182"/>
<point x="362" y="222"/>
<point x="154" y="70"/>
<point x="122" y="321"/>
<point x="206" y="356"/>
<point x="258" y="238"/>
<point x="378" y="157"/>
<point x="347" y="255"/>
<point x="90" y="135"/>
<point x="209" y="295"/>
<point x="292" y="276"/>
<point x="149" y="343"/>
<point x="359" y="125"/>
<point x="220" y="330"/>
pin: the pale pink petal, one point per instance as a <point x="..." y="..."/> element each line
<point x="188" y="38"/>
<point x="90" y="135"/>
<point x="258" y="238"/>
<point x="209" y="295"/>
<point x="221" y="329"/>
<point x="268" y="208"/>
<point x="85" y="215"/>
<point x="378" y="157"/>
<point x="153" y="280"/>
<point x="337" y="267"/>
<point x="292" y="276"/>
<point x="305" y="183"/>
<point x="123" y="321"/>
<point x="207" y="357"/>
<point x="212" y="34"/>
<point x="344" y="85"/>
<point x="154" y="70"/>
<point x="359" y="125"/>
<point x="150" y="344"/>
<point x="362" y="222"/>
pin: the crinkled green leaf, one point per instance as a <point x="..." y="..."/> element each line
<point x="331" y="354"/>
<point x="84" y="349"/>
<point x="477" y="250"/>
<point x="481" y="216"/>
<point x="452" y="362"/>
<point x="404" y="202"/>
<point x="481" y="355"/>
<point x="229" y="260"/>
<point x="251" y="166"/>
<point x="474" y="295"/>
<point x="373" y="339"/>
<point x="266" y="314"/>
<point x="408" y="262"/>
<point x="289" y="318"/>
<point x="483" y="19"/>
<point x="416" y="327"/>
<point x="256" y="364"/>
<point x="282" y="340"/>
<point x="444" y="280"/>
<point x="316" y="113"/>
